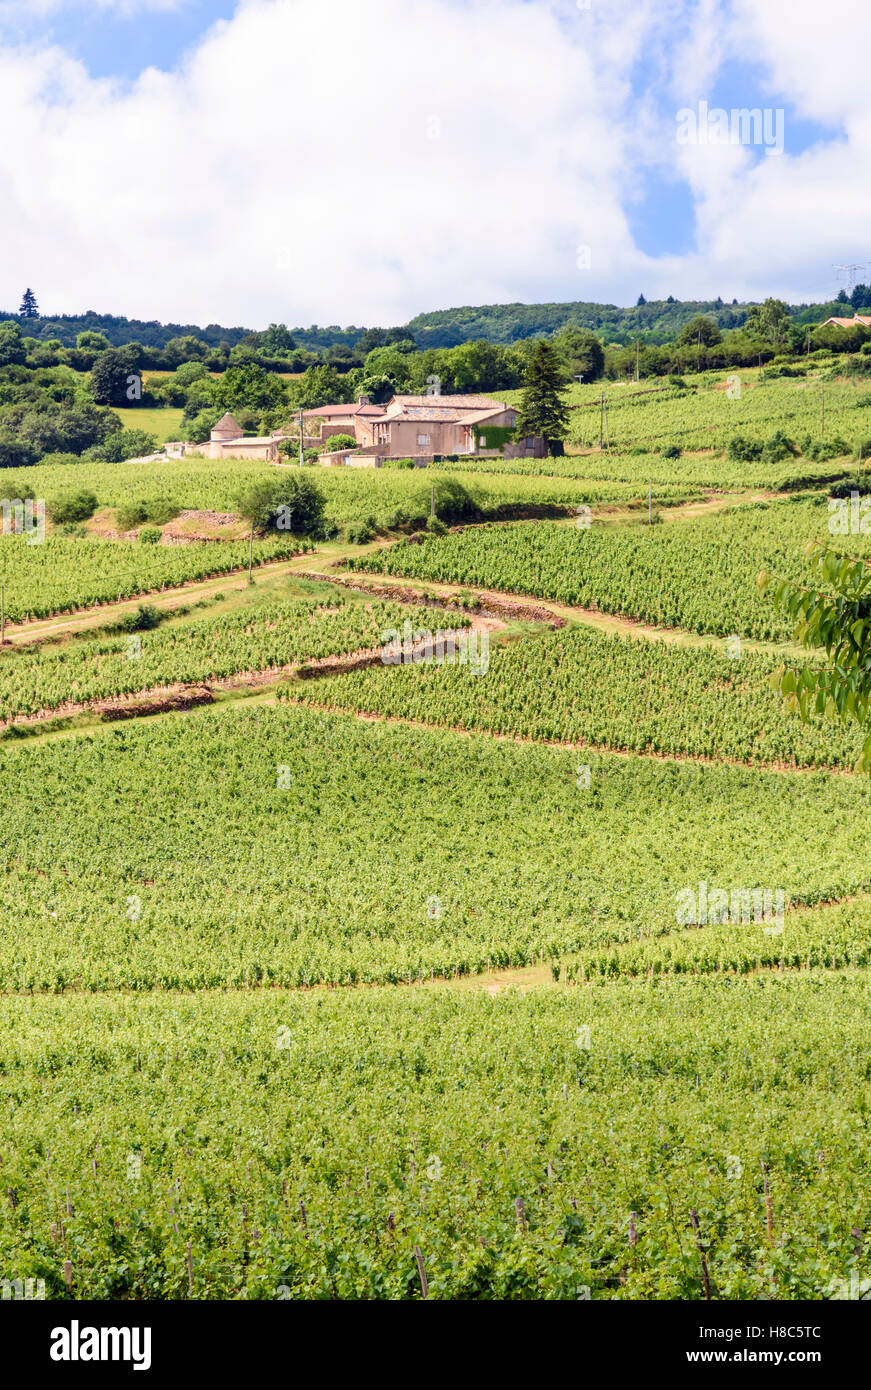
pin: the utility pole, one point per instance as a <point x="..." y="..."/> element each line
<point x="432" y="504"/>
<point x="699" y="352"/>
<point x="637" y="349"/>
<point x="808" y="340"/>
<point x="301" y="441"/>
<point x="251" y="555"/>
<point x="3" y="606"/>
<point x="601" y="419"/>
<point x="822" y="412"/>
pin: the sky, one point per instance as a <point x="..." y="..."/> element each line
<point x="359" y="161"/>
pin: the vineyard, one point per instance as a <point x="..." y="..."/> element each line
<point x="276" y="634"/>
<point x="696" y="573"/>
<point x="546" y="978"/>
<point x="64" y="574"/>
<point x="246" y="848"/>
<point x="511" y="1139"/>
<point x="714" y="406"/>
<point x="351" y="495"/>
<point x="582" y="686"/>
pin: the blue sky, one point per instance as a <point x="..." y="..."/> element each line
<point x="120" y="41"/>
<point x="362" y="160"/>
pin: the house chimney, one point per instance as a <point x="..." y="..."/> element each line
<point x="364" y="400"/>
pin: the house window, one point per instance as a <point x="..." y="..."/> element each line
<point x="422" y="439"/>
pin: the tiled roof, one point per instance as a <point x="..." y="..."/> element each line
<point x="227" y="422"/>
<point x="346" y="410"/>
<point x="451" y="402"/>
<point x="861" y="319"/>
<point x="477" y="416"/>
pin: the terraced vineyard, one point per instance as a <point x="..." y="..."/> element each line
<point x="613" y="988"/>
<point x="246" y="848"/>
<point x="582" y="686"/>
<point x="717" y="406"/>
<point x="696" y="573"/>
<point x="64" y="574"/>
<point x="351" y="495"/>
<point x="274" y="634"/>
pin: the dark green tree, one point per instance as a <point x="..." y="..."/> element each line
<point x="29" y="307"/>
<point x="832" y="613"/>
<point x="542" y="408"/>
<point x="581" y="351"/>
<point x="12" y="349"/>
<point x="109" y="377"/>
<point x="700" y="329"/>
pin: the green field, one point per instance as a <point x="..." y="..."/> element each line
<point x="164" y="424"/>
<point x="696" y="573"/>
<point x="303" y="1145"/>
<point x="332" y="968"/>
<point x="249" y="846"/>
<point x="583" y="686"/>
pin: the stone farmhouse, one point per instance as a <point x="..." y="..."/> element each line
<point x="228" y="440"/>
<point x="420" y="428"/>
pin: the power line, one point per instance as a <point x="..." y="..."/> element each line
<point x="850" y="272"/>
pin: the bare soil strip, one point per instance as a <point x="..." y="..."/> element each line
<point x="164" y="699"/>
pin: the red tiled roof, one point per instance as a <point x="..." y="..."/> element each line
<point x="450" y="402"/>
<point x="347" y="410"/>
<point x="861" y="319"/>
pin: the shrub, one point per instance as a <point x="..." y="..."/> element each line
<point x="778" y="447"/>
<point x="72" y="506"/>
<point x="359" y="533"/>
<point x="292" y="502"/>
<point x="744" y="450"/>
<point x="124" y="444"/>
<point x="339" y="441"/>
<point x="436" y="527"/>
<point x="145" y="618"/>
<point x="449" y="499"/>
<point x="671" y="451"/>
<point x="157" y="510"/>
<point x="149" y="535"/>
<point x="820" y="450"/>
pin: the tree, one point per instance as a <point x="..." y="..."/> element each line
<point x="389" y="361"/>
<point x="581" y="351"/>
<point x="278" y="339"/>
<point x="319" y="386"/>
<point x="833" y="613"/>
<point x="248" y="385"/>
<point x="292" y="503"/>
<point x="542" y="409"/>
<point x="770" y="322"/>
<point x="700" y="329"/>
<point x="12" y="349"/>
<point x="109" y="377"/>
<point x="123" y="444"/>
<point x="92" y="342"/>
<point x="639" y="301"/>
<point x="29" y="307"/>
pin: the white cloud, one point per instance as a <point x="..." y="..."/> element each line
<point x="351" y="162"/>
<point x="289" y="170"/>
